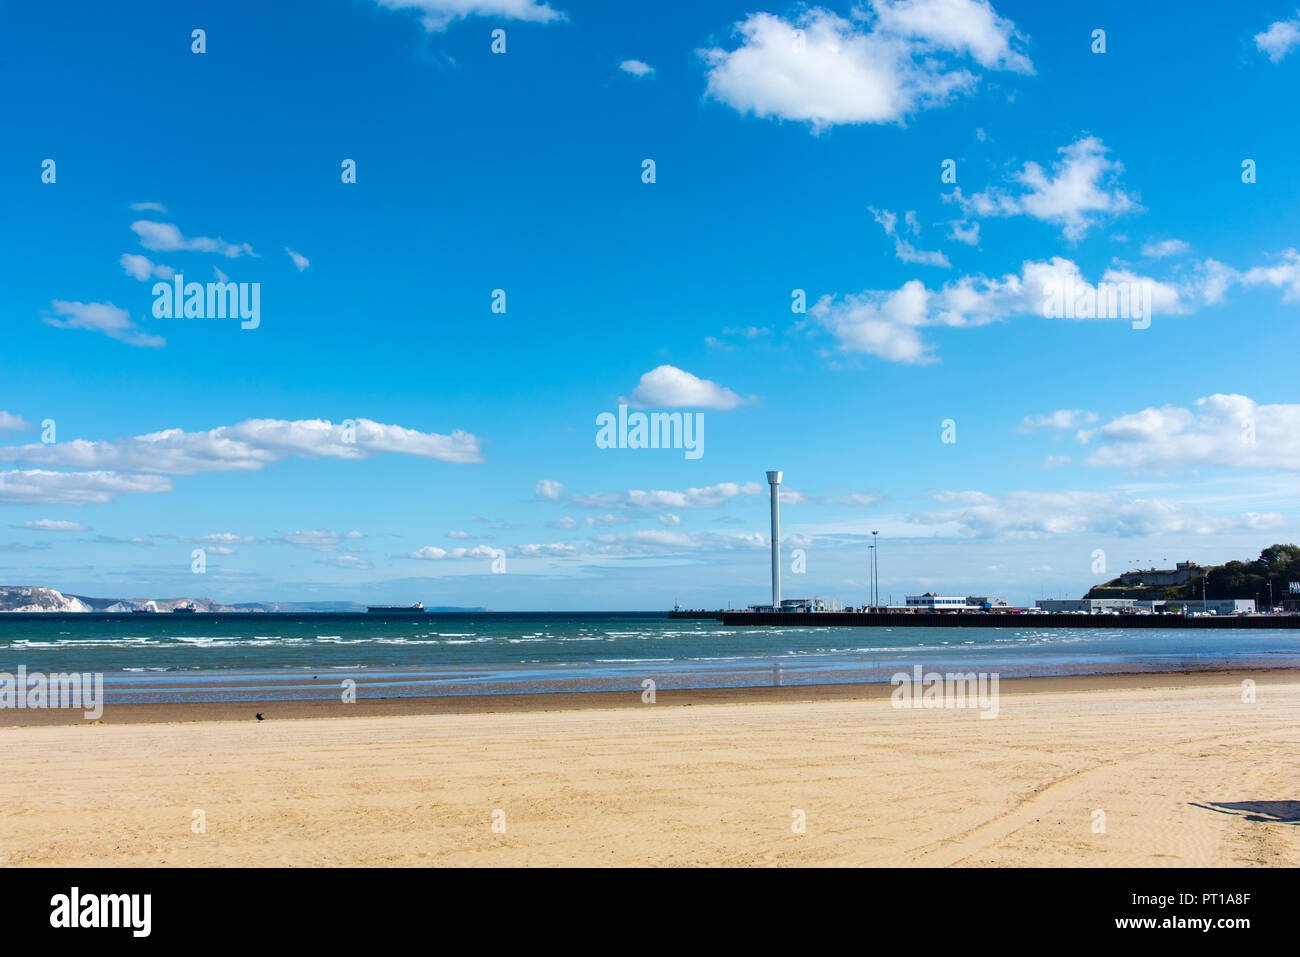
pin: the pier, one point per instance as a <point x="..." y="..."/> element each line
<point x="977" y="619"/>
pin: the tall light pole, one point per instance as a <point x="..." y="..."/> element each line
<point x="774" y="481"/>
<point x="875" y="571"/>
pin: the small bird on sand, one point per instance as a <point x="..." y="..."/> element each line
<point x="260" y="717"/>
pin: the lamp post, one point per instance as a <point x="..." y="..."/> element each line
<point x="875" y="572"/>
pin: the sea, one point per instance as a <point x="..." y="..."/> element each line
<point x="247" y="657"/>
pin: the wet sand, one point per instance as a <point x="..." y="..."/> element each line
<point x="1111" y="770"/>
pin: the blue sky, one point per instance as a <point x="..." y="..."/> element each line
<point x="794" y="148"/>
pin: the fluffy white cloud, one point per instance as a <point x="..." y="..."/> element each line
<point x="636" y="68"/>
<point x="432" y="553"/>
<point x="1223" y="430"/>
<point x="247" y="446"/>
<point x="1284" y="275"/>
<point x="142" y="268"/>
<point x="13" y="423"/>
<point x="52" y="525"/>
<point x="165" y="237"/>
<point x="825" y="70"/>
<point x="903" y="248"/>
<point x="40" y="487"/>
<point x="963" y="26"/>
<point x="222" y="538"/>
<point x="1043" y="514"/>
<point x="709" y="496"/>
<point x="668" y="387"/>
<point x="102" y="317"/>
<point x="963" y="232"/>
<point x="1061" y="420"/>
<point x="1280" y="38"/>
<point x="1075" y="195"/>
<point x="888" y="323"/>
<point x="549" y="490"/>
<point x="436" y="15"/>
<point x="300" y="261"/>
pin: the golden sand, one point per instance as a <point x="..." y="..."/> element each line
<point x="1181" y="769"/>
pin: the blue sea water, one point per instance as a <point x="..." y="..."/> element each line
<point x="248" y="657"/>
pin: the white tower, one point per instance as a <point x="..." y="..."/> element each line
<point x="774" y="480"/>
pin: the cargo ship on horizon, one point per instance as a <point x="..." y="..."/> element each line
<point x="417" y="608"/>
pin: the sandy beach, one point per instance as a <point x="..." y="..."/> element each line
<point x="1113" y="770"/>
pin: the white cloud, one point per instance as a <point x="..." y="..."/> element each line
<point x="102" y="317"/>
<point x="302" y="262"/>
<point x="888" y="323"/>
<point x="458" y="534"/>
<point x="1020" y="515"/>
<point x="346" y="561"/>
<point x="1062" y="420"/>
<point x="52" y="525"/>
<point x="903" y="248"/>
<point x="13" y="423"/>
<point x="437" y="15"/>
<point x="1284" y="275"/>
<point x="636" y="68"/>
<point x="962" y="26"/>
<point x="165" y="237"/>
<point x="247" y="446"/>
<point x="1222" y="430"/>
<point x="549" y="490"/>
<point x="40" y="487"/>
<point x="1280" y="38"/>
<point x="856" y="499"/>
<point x="142" y="268"/>
<point x="1167" y="247"/>
<point x="148" y="207"/>
<point x="222" y="538"/>
<point x="963" y="232"/>
<point x="1075" y="195"/>
<point x="565" y="522"/>
<point x="840" y="71"/>
<point x="316" y="539"/>
<point x="664" y="541"/>
<point x="668" y="387"/>
<point x="709" y="496"/>
<point x="432" y="553"/>
<point x="670" y="520"/>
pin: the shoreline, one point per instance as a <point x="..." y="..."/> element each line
<point x="152" y="712"/>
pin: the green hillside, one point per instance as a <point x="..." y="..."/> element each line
<point x="1279" y="564"/>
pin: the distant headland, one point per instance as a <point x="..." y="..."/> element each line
<point x="28" y="599"/>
